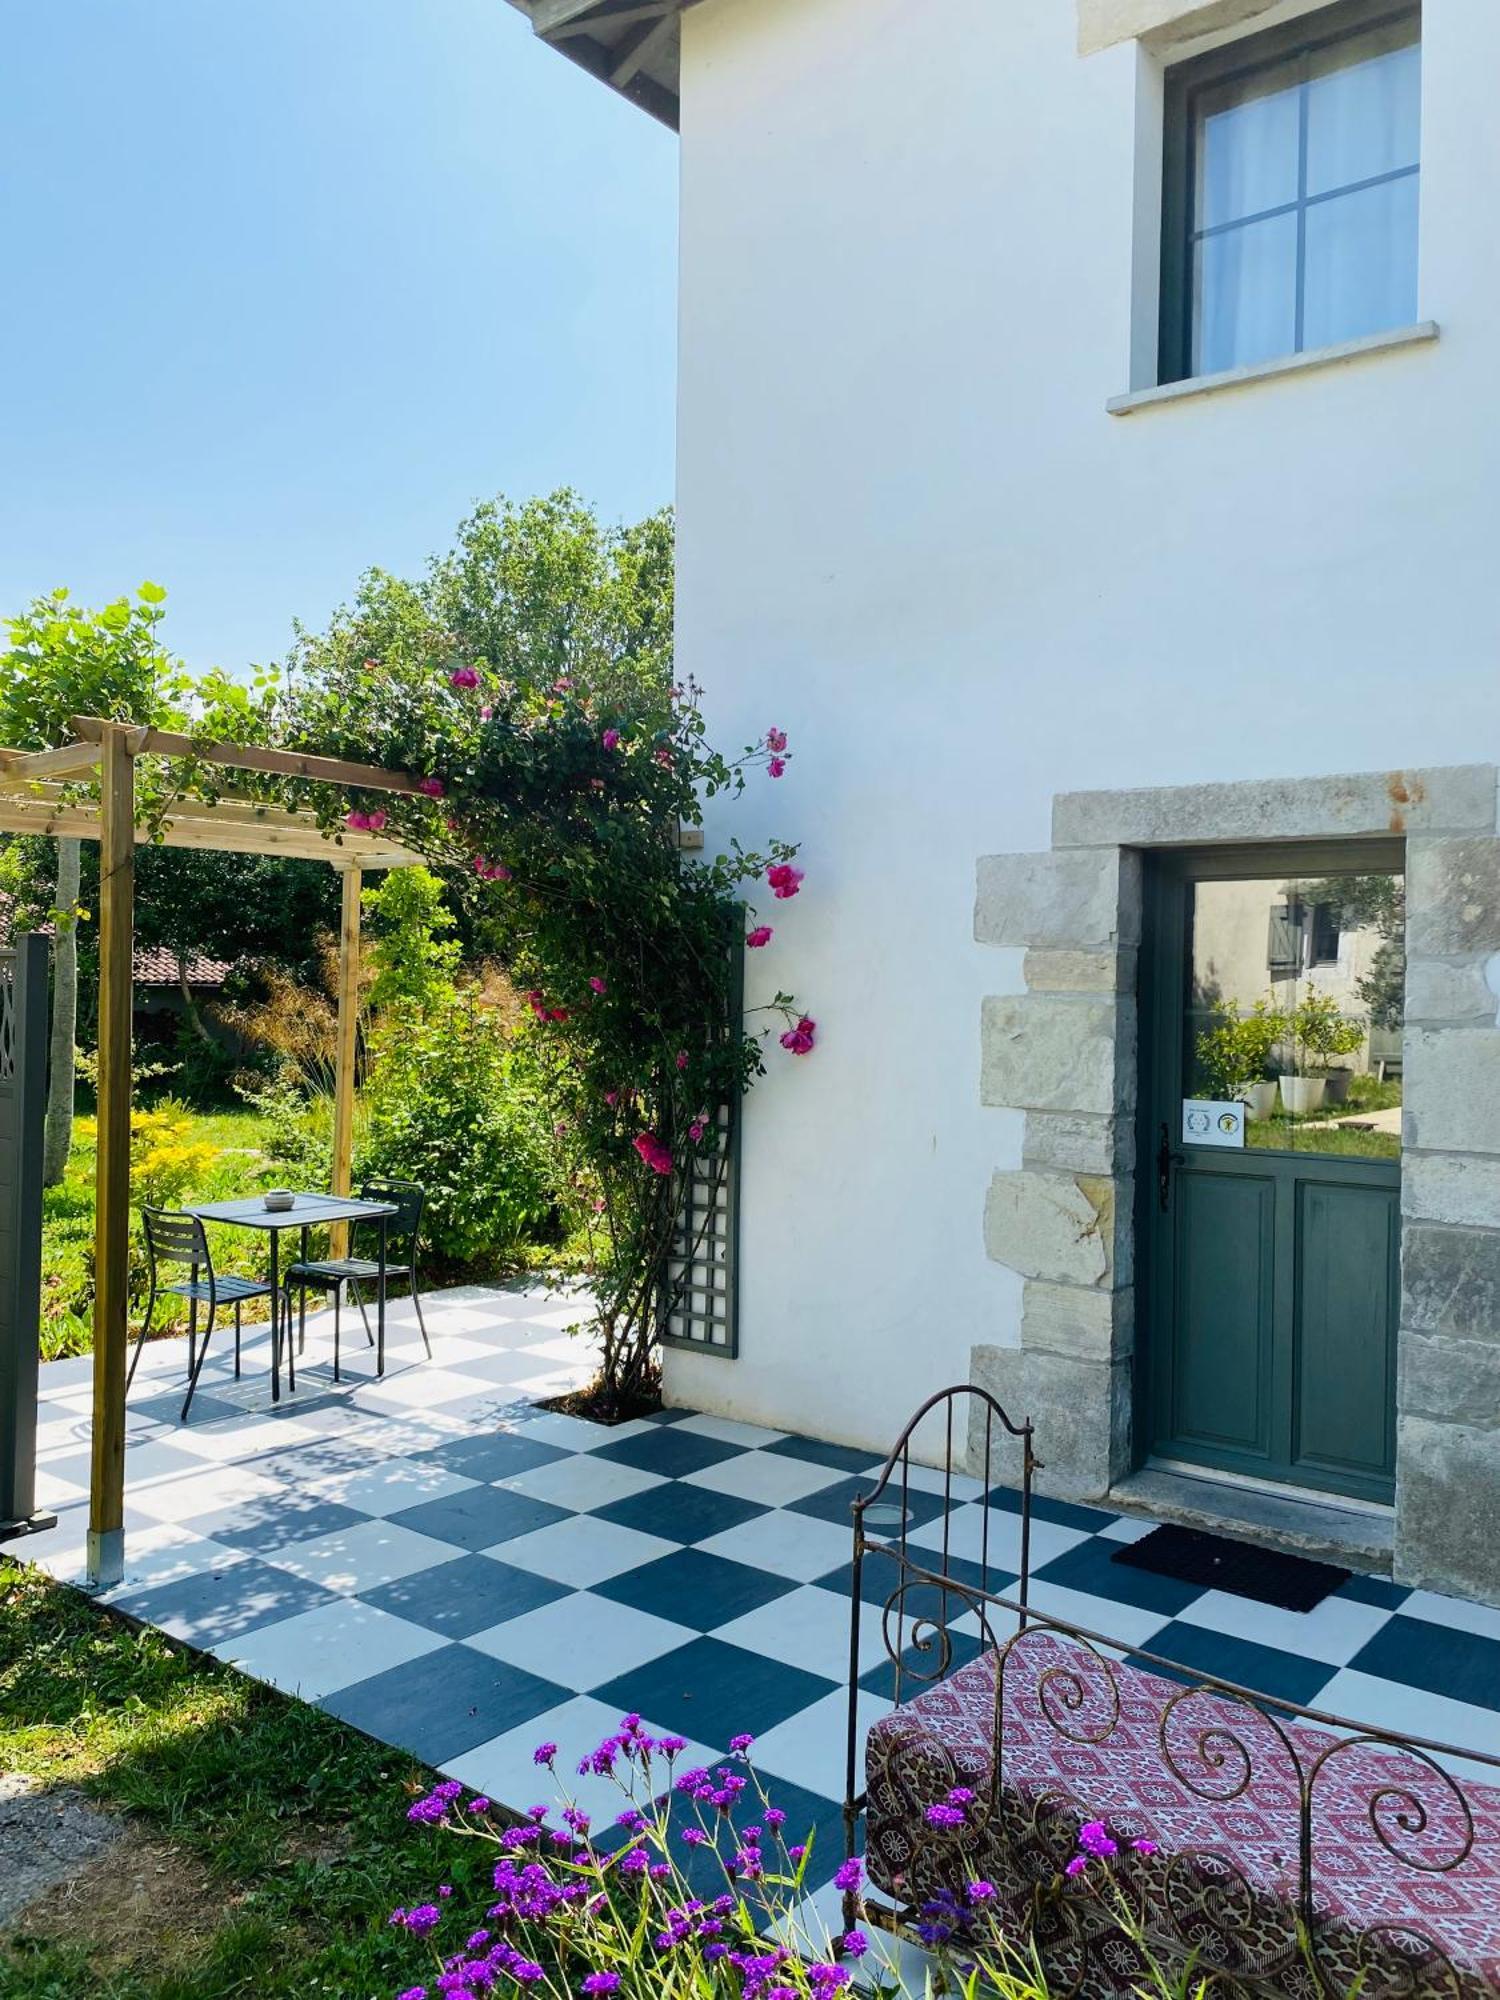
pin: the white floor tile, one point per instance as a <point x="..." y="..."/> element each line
<point x="504" y="1770"/>
<point x="569" y="1433"/>
<point x="1481" y="1619"/>
<point x="1128" y="1529"/>
<point x="388" y="1485"/>
<point x="416" y="1388"/>
<point x="217" y="1486"/>
<point x="582" y="1482"/>
<point x="360" y="1558"/>
<point x="728" y="1430"/>
<point x="809" y="1628"/>
<point x="583" y="1551"/>
<point x="809" y="1748"/>
<point x="1382" y="1704"/>
<point x="819" y="1918"/>
<point x="794" y="1545"/>
<point x="966" y="1538"/>
<point x="1334" y="1630"/>
<point x="930" y="1479"/>
<point x="1112" y="1620"/>
<point x="581" y="1640"/>
<point x="318" y="1652"/>
<point x="764" y="1476"/>
<point x="240" y="1438"/>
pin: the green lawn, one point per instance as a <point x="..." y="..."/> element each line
<point x="266" y="1843"/>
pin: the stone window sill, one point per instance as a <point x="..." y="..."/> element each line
<point x="1421" y="335"/>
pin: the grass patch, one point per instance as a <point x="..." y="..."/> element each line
<point x="266" y="1842"/>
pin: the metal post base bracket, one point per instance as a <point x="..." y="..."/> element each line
<point x="104" y="1564"/>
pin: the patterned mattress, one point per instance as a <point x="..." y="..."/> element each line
<point x="1401" y="1887"/>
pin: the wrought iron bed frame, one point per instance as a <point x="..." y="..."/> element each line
<point x="1216" y="1764"/>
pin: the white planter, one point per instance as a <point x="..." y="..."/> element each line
<point x="1301" y="1094"/>
<point x="1261" y="1099"/>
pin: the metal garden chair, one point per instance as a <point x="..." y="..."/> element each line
<point x="175" y="1238"/>
<point x="331" y="1274"/>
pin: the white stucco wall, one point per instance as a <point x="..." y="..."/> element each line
<point x="911" y="536"/>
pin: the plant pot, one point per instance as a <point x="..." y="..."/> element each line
<point x="1260" y="1098"/>
<point x="1336" y="1086"/>
<point x="1301" y="1094"/>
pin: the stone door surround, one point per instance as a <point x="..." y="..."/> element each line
<point x="1064" y="1052"/>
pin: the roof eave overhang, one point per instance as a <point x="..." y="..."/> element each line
<point x="632" y="45"/>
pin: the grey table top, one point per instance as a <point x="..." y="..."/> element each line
<point x="306" y="1211"/>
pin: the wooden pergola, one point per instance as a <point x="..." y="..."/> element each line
<point x="38" y="794"/>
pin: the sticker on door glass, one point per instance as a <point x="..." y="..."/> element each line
<point x="1208" y="1121"/>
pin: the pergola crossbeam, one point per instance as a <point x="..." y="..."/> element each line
<point x="253" y="757"/>
<point x="67" y="760"/>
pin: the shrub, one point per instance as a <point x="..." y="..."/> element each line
<point x="447" y="1103"/>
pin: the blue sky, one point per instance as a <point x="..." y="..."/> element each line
<point x="290" y="283"/>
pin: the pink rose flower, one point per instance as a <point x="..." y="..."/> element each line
<point x="682" y="1058"/>
<point x="653" y="1153"/>
<point x="799" y="1040"/>
<point x="537" y="1004"/>
<point x="357" y="822"/>
<point x="432" y="787"/>
<point x="463" y="677"/>
<point x="784" y="880"/>
<point x="664" y="758"/>
<point x="776" y="768"/>
<point x="759" y="937"/>
<point x="696" y="1130"/>
<point x="375" y="821"/>
<point x="611" y="739"/>
<point x="776" y="739"/>
<point x="486" y="714"/>
<point x="611" y="1098"/>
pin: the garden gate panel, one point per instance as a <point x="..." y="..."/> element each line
<point x="23" y="1082"/>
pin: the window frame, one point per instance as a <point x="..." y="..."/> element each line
<point x="1184" y="83"/>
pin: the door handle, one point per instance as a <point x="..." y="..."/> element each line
<point x="1166" y="1159"/>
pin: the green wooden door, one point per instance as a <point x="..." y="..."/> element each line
<point x="1270" y="1260"/>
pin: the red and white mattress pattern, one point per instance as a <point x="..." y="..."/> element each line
<point x="1216" y="1787"/>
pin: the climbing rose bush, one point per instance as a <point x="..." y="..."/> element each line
<point x="561" y="810"/>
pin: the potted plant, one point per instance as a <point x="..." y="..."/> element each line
<point x="1319" y="1031"/>
<point x="1233" y="1055"/>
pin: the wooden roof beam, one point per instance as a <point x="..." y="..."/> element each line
<point x="639" y="48"/>
<point x="67" y="760"/>
<point x="253" y="757"/>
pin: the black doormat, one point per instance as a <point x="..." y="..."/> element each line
<point x="1292" y="1583"/>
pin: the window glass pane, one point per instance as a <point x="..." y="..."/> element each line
<point x="1245" y="295"/>
<point x="1310" y="1046"/>
<point x="1361" y="263"/>
<point x="1247" y="150"/>
<point x="1364" y="119"/>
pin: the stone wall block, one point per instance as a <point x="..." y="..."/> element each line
<point x="1453" y="897"/>
<point x="1454" y="1381"/>
<point x="1447" y="1505"/>
<point x="1451" y="1187"/>
<point x="1078" y="1142"/>
<point x="1450" y="1281"/>
<point x="1054" y="1226"/>
<point x="1453" y="993"/>
<point x="1068" y="902"/>
<point x="1087" y="1323"/>
<point x="1081" y="1410"/>
<point x="1080" y="971"/>
<point x="1458" y="799"/>
<point x="1452" y="1090"/>
<point x="1040" y="1053"/>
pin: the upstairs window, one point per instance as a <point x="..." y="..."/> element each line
<point x="1292" y="169"/>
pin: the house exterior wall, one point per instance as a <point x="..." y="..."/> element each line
<point x="917" y="258"/>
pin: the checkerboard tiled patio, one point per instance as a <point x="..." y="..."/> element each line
<point x="450" y="1568"/>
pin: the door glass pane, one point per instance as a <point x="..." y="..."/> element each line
<point x="1247" y="149"/>
<point x="1361" y="263"/>
<point x="1294" y="1009"/>
<point x="1245" y="295"/>
<point x="1364" y="117"/>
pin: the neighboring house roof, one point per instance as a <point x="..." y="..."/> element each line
<point x="154" y="964"/>
<point x="632" y="45"/>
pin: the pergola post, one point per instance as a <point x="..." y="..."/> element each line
<point x="106" y="1535"/>
<point x="348" y="1027"/>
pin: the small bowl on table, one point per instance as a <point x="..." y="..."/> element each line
<point x="279" y="1200"/>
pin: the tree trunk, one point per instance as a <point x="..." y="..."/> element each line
<point x="58" y="1135"/>
<point x="190" y="1005"/>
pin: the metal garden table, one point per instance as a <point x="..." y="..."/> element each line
<point x="308" y="1211"/>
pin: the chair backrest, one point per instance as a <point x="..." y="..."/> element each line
<point x="407" y="1198"/>
<point x="175" y="1238"/>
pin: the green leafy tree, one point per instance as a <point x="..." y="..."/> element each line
<point x="62" y="661"/>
